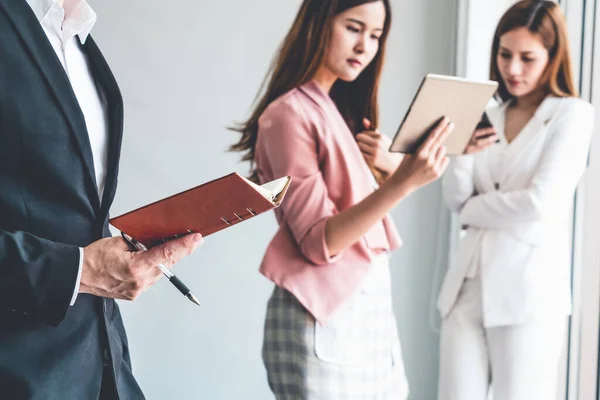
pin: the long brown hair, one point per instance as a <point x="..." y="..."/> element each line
<point x="545" y="19"/>
<point x="298" y="60"/>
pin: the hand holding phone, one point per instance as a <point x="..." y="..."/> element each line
<point x="483" y="137"/>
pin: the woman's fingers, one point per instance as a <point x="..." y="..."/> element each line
<point x="366" y="138"/>
<point x="443" y="165"/>
<point x="480" y="134"/>
<point x="437" y="137"/>
<point x="366" y="148"/>
<point x="441" y="138"/>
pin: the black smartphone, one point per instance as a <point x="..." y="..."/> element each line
<point x="484" y="123"/>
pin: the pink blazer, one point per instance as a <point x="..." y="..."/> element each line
<point x="302" y="134"/>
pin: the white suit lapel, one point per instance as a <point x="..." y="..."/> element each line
<point x="531" y="136"/>
<point x="483" y="159"/>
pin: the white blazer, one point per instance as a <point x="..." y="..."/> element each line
<point x="519" y="228"/>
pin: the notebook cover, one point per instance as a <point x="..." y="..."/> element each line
<point x="204" y="209"/>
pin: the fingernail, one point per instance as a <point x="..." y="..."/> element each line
<point x="197" y="238"/>
<point x="451" y="125"/>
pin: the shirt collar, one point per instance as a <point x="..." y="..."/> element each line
<point x="75" y="17"/>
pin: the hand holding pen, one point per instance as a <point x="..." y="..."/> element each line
<point x="166" y="272"/>
<point x="110" y="269"/>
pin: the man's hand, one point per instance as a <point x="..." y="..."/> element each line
<point x="111" y="269"/>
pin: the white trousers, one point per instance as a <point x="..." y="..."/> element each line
<point x="516" y="362"/>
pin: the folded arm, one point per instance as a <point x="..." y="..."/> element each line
<point x="561" y="167"/>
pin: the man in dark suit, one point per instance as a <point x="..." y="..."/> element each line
<point x="61" y="121"/>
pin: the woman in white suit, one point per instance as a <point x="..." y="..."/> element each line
<point x="506" y="298"/>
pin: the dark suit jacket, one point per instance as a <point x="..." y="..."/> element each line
<point x="49" y="207"/>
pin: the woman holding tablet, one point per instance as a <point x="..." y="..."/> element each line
<point x="330" y="331"/>
<point x="506" y="298"/>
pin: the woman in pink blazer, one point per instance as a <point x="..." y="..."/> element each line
<point x="330" y="331"/>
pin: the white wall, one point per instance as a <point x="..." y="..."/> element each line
<point x="423" y="41"/>
<point x="187" y="69"/>
<point x="478" y="24"/>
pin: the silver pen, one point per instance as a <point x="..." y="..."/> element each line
<point x="166" y="271"/>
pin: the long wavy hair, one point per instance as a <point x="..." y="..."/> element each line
<point x="545" y="19"/>
<point x="299" y="57"/>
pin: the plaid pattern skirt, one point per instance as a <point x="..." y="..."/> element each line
<point x="355" y="356"/>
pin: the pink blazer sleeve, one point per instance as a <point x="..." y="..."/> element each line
<point x="288" y="144"/>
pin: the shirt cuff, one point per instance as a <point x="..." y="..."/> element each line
<point x="76" y="291"/>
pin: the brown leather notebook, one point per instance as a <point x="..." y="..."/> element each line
<point x="204" y="209"/>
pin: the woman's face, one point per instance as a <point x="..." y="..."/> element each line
<point x="355" y="40"/>
<point x="522" y="59"/>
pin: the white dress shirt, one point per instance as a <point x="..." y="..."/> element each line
<point x="64" y="25"/>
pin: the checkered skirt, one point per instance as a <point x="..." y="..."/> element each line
<point x="356" y="355"/>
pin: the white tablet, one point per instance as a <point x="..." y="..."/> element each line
<point x="462" y="100"/>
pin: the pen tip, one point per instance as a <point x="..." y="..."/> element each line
<point x="193" y="299"/>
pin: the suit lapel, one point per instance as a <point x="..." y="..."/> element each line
<point x="484" y="174"/>
<point x="107" y="85"/>
<point x="524" y="144"/>
<point x="43" y="55"/>
<point x="518" y="151"/>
